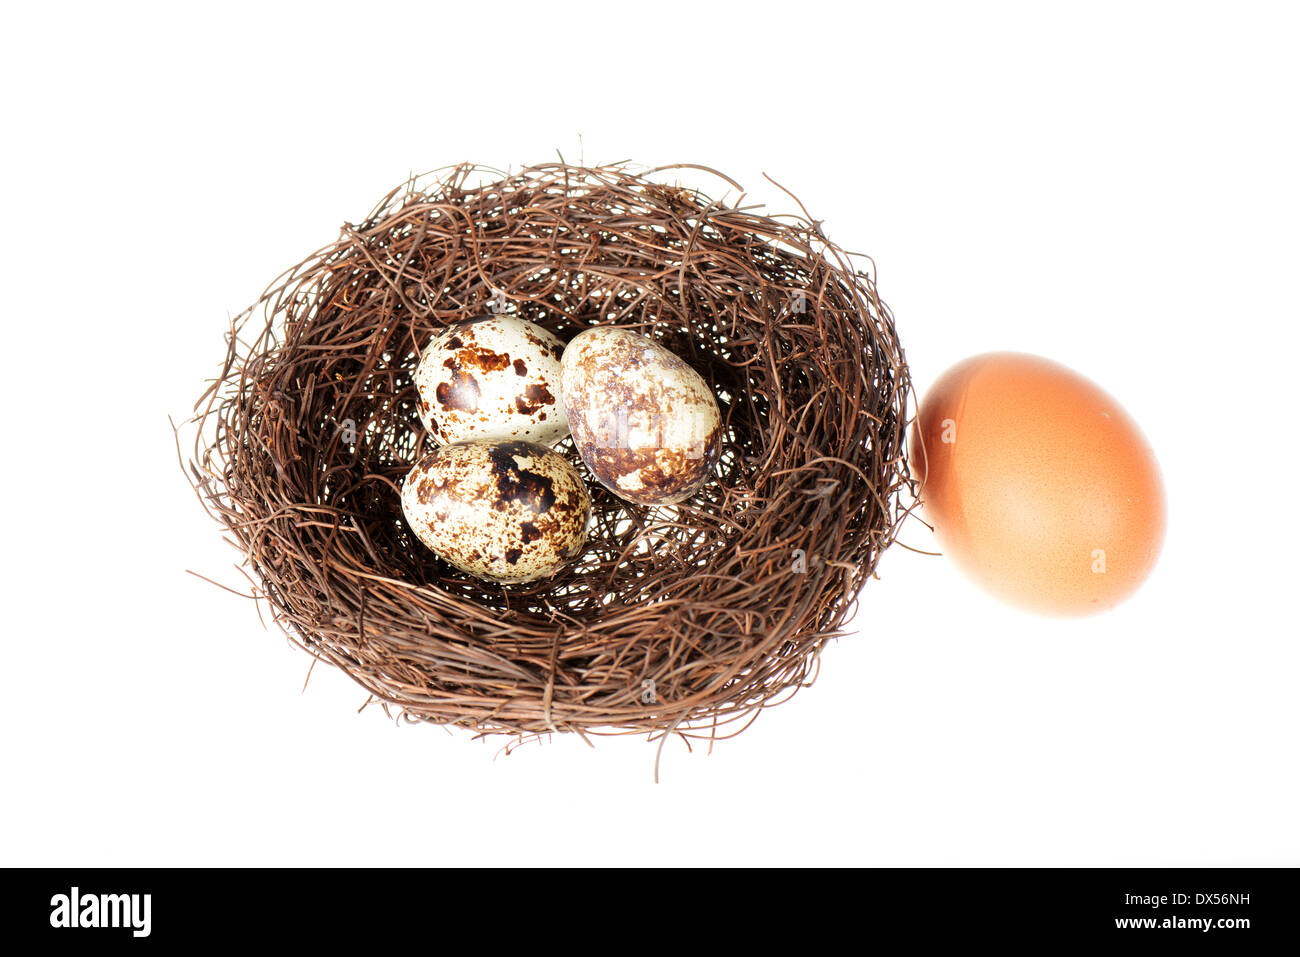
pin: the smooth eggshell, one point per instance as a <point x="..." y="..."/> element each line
<point x="506" y="511"/>
<point x="1039" y="485"/>
<point x="645" y="423"/>
<point x="495" y="377"/>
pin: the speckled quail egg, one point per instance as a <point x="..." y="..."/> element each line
<point x="494" y="377"/>
<point x="645" y="423"/>
<point x="502" y="510"/>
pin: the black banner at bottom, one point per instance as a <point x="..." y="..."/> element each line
<point x="1220" y="908"/>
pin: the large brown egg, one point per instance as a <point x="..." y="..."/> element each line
<point x="1038" y="484"/>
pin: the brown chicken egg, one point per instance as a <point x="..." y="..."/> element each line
<point x="1038" y="484"/>
<point x="645" y="423"/>
<point x="505" y="511"/>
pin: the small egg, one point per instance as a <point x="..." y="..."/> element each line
<point x="502" y="510"/>
<point x="1039" y="485"/>
<point x="645" y="423"/>
<point x="494" y="377"/>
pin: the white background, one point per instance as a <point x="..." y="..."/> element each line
<point x="1113" y="186"/>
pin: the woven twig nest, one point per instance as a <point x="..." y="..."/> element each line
<point x="685" y="618"/>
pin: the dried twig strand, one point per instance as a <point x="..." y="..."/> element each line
<point x="687" y="618"/>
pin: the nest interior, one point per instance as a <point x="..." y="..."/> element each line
<point x="687" y="618"/>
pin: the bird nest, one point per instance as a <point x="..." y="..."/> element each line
<point x="683" y="619"/>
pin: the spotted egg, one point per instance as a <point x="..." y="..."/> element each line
<point x="645" y="423"/>
<point x="502" y="510"/>
<point x="494" y="377"/>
